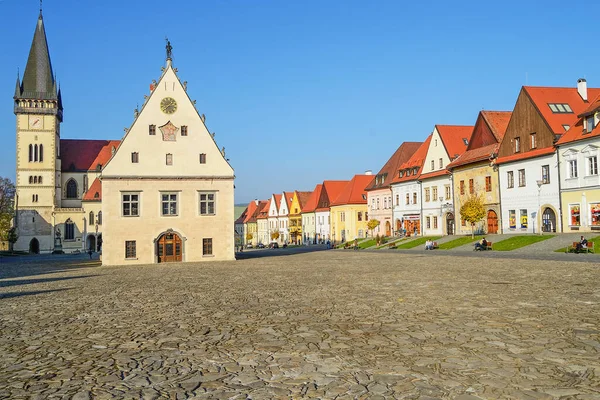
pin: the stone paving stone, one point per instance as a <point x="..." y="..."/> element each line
<point x="346" y="325"/>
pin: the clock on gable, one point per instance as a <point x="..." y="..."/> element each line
<point x="168" y="105"/>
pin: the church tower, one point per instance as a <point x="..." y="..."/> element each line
<point x="39" y="112"/>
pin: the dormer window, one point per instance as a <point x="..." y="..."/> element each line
<point x="566" y="127"/>
<point x="415" y="170"/>
<point x="517" y="144"/>
<point x="408" y="172"/>
<point x="400" y="174"/>
<point x="466" y="141"/>
<point x="588" y="124"/>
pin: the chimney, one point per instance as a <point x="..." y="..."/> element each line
<point x="256" y="201"/>
<point x="368" y="172"/>
<point x="582" y="88"/>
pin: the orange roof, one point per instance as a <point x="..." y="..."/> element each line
<point x="85" y="155"/>
<point x="593" y="107"/>
<point x="434" y="174"/>
<point x="313" y="200"/>
<point x="390" y="169"/>
<point x="525" y="155"/>
<point x="416" y="161"/>
<point x="332" y="190"/>
<point x="94" y="193"/>
<point x="303" y="198"/>
<point x="289" y="196"/>
<point x="497" y="121"/>
<point x="455" y="138"/>
<point x="354" y="192"/>
<point x="542" y="96"/>
<point x="250" y="210"/>
<point x="277" y="202"/>
<point x="256" y="212"/>
<point x="264" y="212"/>
<point x="475" y="155"/>
<point x="242" y="217"/>
<point x="576" y="132"/>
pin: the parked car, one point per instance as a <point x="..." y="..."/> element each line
<point x="249" y="246"/>
<point x="274" y="245"/>
<point x="260" y="246"/>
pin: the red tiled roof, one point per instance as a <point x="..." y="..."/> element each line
<point x="475" y="155"/>
<point x="250" y="210"/>
<point x="313" y="200"/>
<point x="242" y="217"/>
<point x="289" y="196"/>
<point x="542" y="96"/>
<point x="497" y="121"/>
<point x="416" y="161"/>
<point x="354" y="192"/>
<point x="594" y="106"/>
<point x="332" y="190"/>
<point x="94" y="193"/>
<point x="264" y="212"/>
<point x="453" y="137"/>
<point x="303" y="198"/>
<point x="277" y="202"/>
<point x="256" y="212"/>
<point x="525" y="155"/>
<point x="85" y="155"/>
<point x="434" y="174"/>
<point x="390" y="169"/>
<point x="576" y="132"/>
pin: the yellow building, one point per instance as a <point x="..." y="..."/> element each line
<point x="349" y="213"/>
<point x="474" y="173"/>
<point x="299" y="199"/>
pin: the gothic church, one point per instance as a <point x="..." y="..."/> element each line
<point x="163" y="193"/>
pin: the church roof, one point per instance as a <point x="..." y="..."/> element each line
<point x="85" y="155"/>
<point x="38" y="79"/>
<point x="94" y="193"/>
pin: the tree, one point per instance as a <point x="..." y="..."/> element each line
<point x="275" y="235"/>
<point x="7" y="202"/>
<point x="249" y="236"/>
<point x="372" y="224"/>
<point x="12" y="237"/>
<point x="473" y="211"/>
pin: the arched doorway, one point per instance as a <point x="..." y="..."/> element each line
<point x="388" y="228"/>
<point x="169" y="247"/>
<point x="492" y="222"/>
<point x="91" y="243"/>
<point x="450" y="224"/>
<point x="548" y="220"/>
<point x="34" y="246"/>
<point x="398" y="227"/>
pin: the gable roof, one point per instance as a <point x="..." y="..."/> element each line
<point x="415" y="161"/>
<point x="331" y="190"/>
<point x="455" y="138"/>
<point x="277" y="198"/>
<point x="313" y="200"/>
<point x="386" y="175"/>
<point x="264" y="211"/>
<point x="542" y="96"/>
<point x="85" y="155"/>
<point x="95" y="189"/>
<point x="242" y="216"/>
<point x="576" y="131"/>
<point x="475" y="155"/>
<point x="250" y="210"/>
<point x="302" y="198"/>
<point x="288" y="197"/>
<point x="354" y="191"/>
<point x="497" y="121"/>
<point x="252" y="218"/>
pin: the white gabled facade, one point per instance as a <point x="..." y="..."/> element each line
<point x="323" y="225"/>
<point x="408" y="210"/>
<point x="284" y="221"/>
<point x="273" y="217"/>
<point x="436" y="205"/>
<point x="525" y="205"/>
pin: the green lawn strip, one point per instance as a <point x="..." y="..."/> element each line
<point x="519" y="241"/>
<point x="596" y="241"/>
<point x="417" y="242"/>
<point x="459" y="242"/>
<point x="365" y="244"/>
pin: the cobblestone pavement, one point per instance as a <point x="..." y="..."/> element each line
<point x="329" y="324"/>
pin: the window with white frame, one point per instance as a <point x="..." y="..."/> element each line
<point x="435" y="222"/>
<point x="434" y="193"/>
<point x="572" y="166"/>
<point x="522" y="178"/>
<point x="448" y="192"/>
<point x="432" y="165"/>
<point x="593" y="165"/>
<point x="168" y="204"/>
<point x="428" y="222"/>
<point x="545" y="174"/>
<point x="441" y="163"/>
<point x="130" y="204"/>
<point x="208" y="203"/>
<point x="510" y="179"/>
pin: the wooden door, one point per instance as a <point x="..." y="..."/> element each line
<point x="492" y="222"/>
<point x="169" y="248"/>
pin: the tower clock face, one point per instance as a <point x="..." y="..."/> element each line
<point x="35" y="122"/>
<point x="168" y="105"/>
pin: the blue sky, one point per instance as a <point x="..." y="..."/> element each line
<point x="298" y="92"/>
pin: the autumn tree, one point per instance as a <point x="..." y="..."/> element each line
<point x="249" y="236"/>
<point x="372" y="224"/>
<point x="7" y="201"/>
<point x="473" y="211"/>
<point x="275" y="235"/>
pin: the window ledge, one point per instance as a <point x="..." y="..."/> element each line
<point x="131" y="259"/>
<point x="208" y="255"/>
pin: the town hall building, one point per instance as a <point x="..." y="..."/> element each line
<point x="163" y="193"/>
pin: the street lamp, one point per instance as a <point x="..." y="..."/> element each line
<point x="442" y="214"/>
<point x="539" y="185"/>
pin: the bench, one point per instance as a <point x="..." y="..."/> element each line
<point x="487" y="247"/>
<point x="435" y="246"/>
<point x="392" y="245"/>
<point x="589" y="248"/>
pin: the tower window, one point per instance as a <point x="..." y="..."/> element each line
<point x="169" y="159"/>
<point x="35" y="152"/>
<point x="202" y="158"/>
<point x="41" y="152"/>
<point x="71" y="189"/>
<point x="152" y="130"/>
<point x="69" y="230"/>
<point x="135" y="157"/>
<point x="31" y="179"/>
<point x="30" y="153"/>
<point x="99" y="219"/>
<point x="184" y="130"/>
<point x="91" y="218"/>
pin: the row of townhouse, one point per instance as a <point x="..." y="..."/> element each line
<point x="535" y="169"/>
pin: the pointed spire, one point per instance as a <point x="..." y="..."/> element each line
<point x="38" y="79"/>
<point x="18" y="87"/>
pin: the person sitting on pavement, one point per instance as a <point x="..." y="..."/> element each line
<point x="582" y="245"/>
<point x="428" y="245"/>
<point x="481" y="245"/>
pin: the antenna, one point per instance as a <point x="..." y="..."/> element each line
<point x="41" y="7"/>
